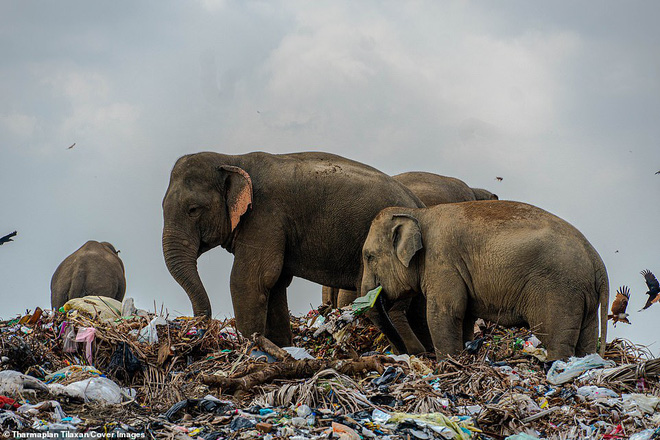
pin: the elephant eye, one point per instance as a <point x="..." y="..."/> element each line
<point x="194" y="211"/>
<point x="369" y="257"/>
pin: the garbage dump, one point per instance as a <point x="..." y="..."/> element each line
<point x="77" y="373"/>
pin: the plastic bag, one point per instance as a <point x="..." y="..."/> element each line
<point x="593" y="392"/>
<point x="149" y="333"/>
<point x="364" y="303"/>
<point x="87" y="335"/>
<point x="639" y="404"/>
<point x="562" y="372"/>
<point x="102" y="307"/>
<point x="123" y="362"/>
<point x="95" y="389"/>
<point x="298" y="353"/>
<point x="70" y="339"/>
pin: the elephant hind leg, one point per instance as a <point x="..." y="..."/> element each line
<point x="588" y="338"/>
<point x="346" y="297"/>
<point x="559" y="327"/>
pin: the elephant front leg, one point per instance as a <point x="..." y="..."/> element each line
<point x="399" y="316"/>
<point x="445" y="316"/>
<point x="278" y="324"/>
<point x="253" y="281"/>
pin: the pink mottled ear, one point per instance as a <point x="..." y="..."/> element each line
<point x="238" y="187"/>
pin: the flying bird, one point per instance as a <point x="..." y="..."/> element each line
<point x="654" y="288"/>
<point x="7" y="238"/>
<point x="657" y="172"/>
<point x="499" y="179"/>
<point x="72" y="145"/>
<point x="619" y="306"/>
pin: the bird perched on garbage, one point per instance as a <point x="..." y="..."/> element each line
<point x="654" y="288"/>
<point x="7" y="238"/>
<point x="619" y="306"/>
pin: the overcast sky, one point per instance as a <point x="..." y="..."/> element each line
<point x="561" y="99"/>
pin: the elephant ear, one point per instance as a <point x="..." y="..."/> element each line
<point x="238" y="192"/>
<point x="406" y="237"/>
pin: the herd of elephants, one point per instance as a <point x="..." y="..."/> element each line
<point x="444" y="253"/>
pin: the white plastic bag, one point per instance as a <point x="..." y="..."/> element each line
<point x="149" y="333"/>
<point x="562" y="372"/>
<point x="593" y="392"/>
<point x="94" y="389"/>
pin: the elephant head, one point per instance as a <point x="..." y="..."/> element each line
<point x="202" y="209"/>
<point x="388" y="260"/>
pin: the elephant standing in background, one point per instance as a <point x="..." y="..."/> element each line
<point x="285" y="215"/>
<point x="94" y="269"/>
<point x="506" y="262"/>
<point x="432" y="189"/>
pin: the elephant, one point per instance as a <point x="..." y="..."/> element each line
<point x="432" y="189"/>
<point x="483" y="194"/>
<point x="507" y="262"/>
<point x="94" y="269"/>
<point x="280" y="215"/>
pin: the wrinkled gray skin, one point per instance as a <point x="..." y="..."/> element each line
<point x="506" y="262"/>
<point x="301" y="214"/>
<point x="432" y="189"/>
<point x="482" y="194"/>
<point x="94" y="269"/>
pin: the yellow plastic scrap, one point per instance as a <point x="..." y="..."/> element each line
<point x="462" y="427"/>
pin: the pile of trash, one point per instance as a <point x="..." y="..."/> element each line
<point x="99" y="366"/>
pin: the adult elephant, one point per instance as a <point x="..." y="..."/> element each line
<point x="94" y="269"/>
<point x="507" y="262"/>
<point x="432" y="189"/>
<point x="301" y="214"/>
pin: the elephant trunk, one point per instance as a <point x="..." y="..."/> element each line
<point x="381" y="319"/>
<point x="181" y="252"/>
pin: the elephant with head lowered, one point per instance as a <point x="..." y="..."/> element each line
<point x="432" y="189"/>
<point x="506" y="262"/>
<point x="301" y="214"/>
<point x="94" y="269"/>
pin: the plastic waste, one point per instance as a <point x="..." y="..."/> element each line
<point x="69" y="339"/>
<point x="149" y="333"/>
<point x="389" y="375"/>
<point x="87" y="335"/>
<point x="10" y="421"/>
<point x="647" y="434"/>
<point x="562" y="372"/>
<point x="241" y="423"/>
<point x="47" y="405"/>
<point x="102" y="307"/>
<point x="461" y="428"/>
<point x="94" y="389"/>
<point x="344" y="432"/>
<point x="65" y="372"/>
<point x="364" y="303"/>
<point x="473" y="347"/>
<point x="522" y="436"/>
<point x="128" y="307"/>
<point x="298" y="353"/>
<point x="123" y="363"/>
<point x="593" y="392"/>
<point x="13" y="383"/>
<point x="8" y="403"/>
<point x="637" y="405"/>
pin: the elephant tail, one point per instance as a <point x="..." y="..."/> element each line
<point x="603" y="288"/>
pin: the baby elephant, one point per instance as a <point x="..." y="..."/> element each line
<point x="506" y="262"/>
<point x="94" y="269"/>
